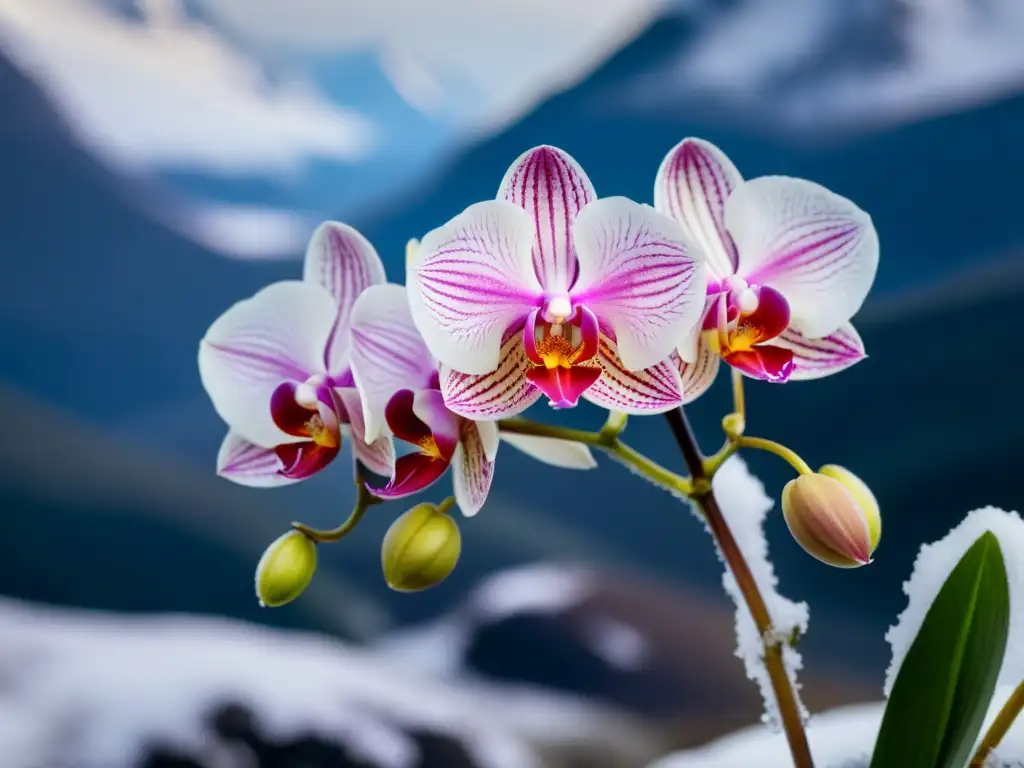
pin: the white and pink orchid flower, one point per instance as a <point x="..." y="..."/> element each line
<point x="789" y="264"/>
<point x="398" y="382"/>
<point x="548" y="290"/>
<point x="277" y="368"/>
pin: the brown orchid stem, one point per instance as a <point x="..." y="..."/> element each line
<point x="1000" y="726"/>
<point x="364" y="500"/>
<point x="789" y="709"/>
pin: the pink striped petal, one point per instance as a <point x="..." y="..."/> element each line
<point x="640" y="274"/>
<point x="491" y="438"/>
<point x="693" y="183"/>
<point x="472" y="279"/>
<point x="388" y="353"/>
<point x="653" y="390"/>
<point x="472" y="471"/>
<point x="277" y="335"/>
<point x="817" y="248"/>
<point x="552" y="188"/>
<point x="245" y="463"/>
<point x="816" y="358"/>
<point x="498" y="395"/>
<point x="377" y="456"/>
<point x="345" y="263"/>
<point x="699" y="375"/>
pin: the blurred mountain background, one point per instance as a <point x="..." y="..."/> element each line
<point x="160" y="160"/>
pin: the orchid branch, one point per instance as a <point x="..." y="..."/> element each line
<point x="1000" y="726"/>
<point x="770" y="446"/>
<point x="364" y="500"/>
<point x="608" y="441"/>
<point x="703" y="495"/>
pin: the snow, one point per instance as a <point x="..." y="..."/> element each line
<point x="745" y="505"/>
<point x="935" y="562"/>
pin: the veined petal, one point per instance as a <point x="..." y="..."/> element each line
<point x="472" y="279"/>
<point x="413" y="473"/>
<point x="500" y="394"/>
<point x="490" y="437"/>
<point x="818" y="249"/>
<point x="345" y="263"/>
<point x="552" y="187"/>
<point x="549" y="450"/>
<point x="640" y="274"/>
<point x="699" y="375"/>
<point x="693" y="183"/>
<point x="388" y="353"/>
<point x="277" y="335"/>
<point x="472" y="471"/>
<point x="653" y="390"/>
<point x="246" y="463"/>
<point x="377" y="456"/>
<point x="816" y="358"/>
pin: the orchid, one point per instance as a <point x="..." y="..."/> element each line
<point x="548" y="290"/>
<point x="277" y="368"/>
<point x="789" y="264"/>
<point x="398" y="383"/>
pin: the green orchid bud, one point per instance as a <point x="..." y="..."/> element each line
<point x="862" y="494"/>
<point x="285" y="570"/>
<point x="420" y="549"/>
<point x="828" y="520"/>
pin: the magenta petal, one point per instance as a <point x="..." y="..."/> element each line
<point x="301" y="460"/>
<point x="771" y="317"/>
<point x="563" y="386"/>
<point x="552" y="188"/>
<point x="293" y="417"/>
<point x="413" y="473"/>
<point x="590" y="333"/>
<point x="421" y="417"/>
<point x="764" y="362"/>
<point x="530" y="338"/>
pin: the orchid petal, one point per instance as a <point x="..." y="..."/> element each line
<point x="345" y="263"/>
<point x="277" y="335"/>
<point x="699" y="375"/>
<point x="816" y="358"/>
<point x="653" y="390"/>
<point x="818" y="249"/>
<point x="388" y="353"/>
<point x="472" y="471"/>
<point x="566" y="454"/>
<point x="763" y="362"/>
<point x="421" y="418"/>
<point x="472" y="280"/>
<point x="248" y="464"/>
<point x="490" y="437"/>
<point x="552" y="187"/>
<point x="302" y="460"/>
<point x="564" y="386"/>
<point x="413" y="473"/>
<point x="377" y="456"/>
<point x="639" y="273"/>
<point x="498" y="395"/>
<point x="693" y="183"/>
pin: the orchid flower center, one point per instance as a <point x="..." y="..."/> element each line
<point x="428" y="447"/>
<point x="308" y="410"/>
<point x="743" y="316"/>
<point x="558" y="344"/>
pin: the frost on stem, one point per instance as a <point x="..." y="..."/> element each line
<point x="935" y="562"/>
<point x="745" y="505"/>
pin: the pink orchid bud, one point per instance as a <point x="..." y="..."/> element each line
<point x="830" y="516"/>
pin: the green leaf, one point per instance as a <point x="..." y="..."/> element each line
<point x="944" y="686"/>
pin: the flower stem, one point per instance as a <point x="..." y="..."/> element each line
<point x="1000" y="726"/>
<point x="789" y="710"/>
<point x="778" y="449"/>
<point x="608" y="442"/>
<point x="364" y="500"/>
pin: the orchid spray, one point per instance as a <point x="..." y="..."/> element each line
<point x="550" y="292"/>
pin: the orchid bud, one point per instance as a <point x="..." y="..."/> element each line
<point x="828" y="520"/>
<point x="862" y="494"/>
<point x="285" y="570"/>
<point x="420" y="549"/>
